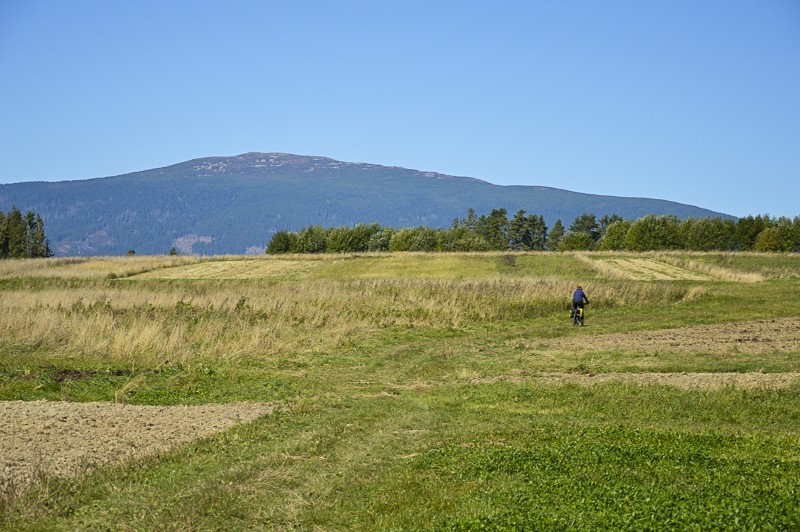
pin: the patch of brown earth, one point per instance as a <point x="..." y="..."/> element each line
<point x="687" y="381"/>
<point x="705" y="381"/>
<point x="62" y="438"/>
<point x="756" y="337"/>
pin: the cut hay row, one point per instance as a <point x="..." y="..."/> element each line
<point x="646" y="269"/>
<point x="233" y="269"/>
<point x="88" y="268"/>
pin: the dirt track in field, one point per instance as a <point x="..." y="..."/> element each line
<point x="748" y="337"/>
<point x="62" y="438"/>
<point x="756" y="337"/>
<point x="687" y="381"/>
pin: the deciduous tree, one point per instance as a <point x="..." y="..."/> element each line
<point x="281" y="242"/>
<point x="615" y="235"/>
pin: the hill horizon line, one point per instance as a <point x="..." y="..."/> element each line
<point x="234" y="204"/>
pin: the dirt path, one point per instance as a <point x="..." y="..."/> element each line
<point x="702" y="381"/>
<point x="756" y="337"/>
<point x="62" y="438"/>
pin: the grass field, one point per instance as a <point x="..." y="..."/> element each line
<point x="420" y="391"/>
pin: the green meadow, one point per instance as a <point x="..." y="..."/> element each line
<point x="422" y="391"/>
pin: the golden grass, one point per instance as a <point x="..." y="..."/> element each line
<point x="151" y="322"/>
<point x="654" y="270"/>
<point x="711" y="270"/>
<point x="88" y="268"/>
<point x="340" y="266"/>
<point x="265" y="268"/>
<point x="663" y="266"/>
<point x="414" y="265"/>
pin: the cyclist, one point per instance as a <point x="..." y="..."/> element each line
<point x="579" y="299"/>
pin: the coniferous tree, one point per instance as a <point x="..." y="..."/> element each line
<point x="470" y="222"/>
<point x="30" y="227"/>
<point x="520" y="235"/>
<point x="527" y="233"/>
<point x="539" y="232"/>
<point x="795" y="235"/>
<point x="42" y="242"/>
<point x="3" y="236"/>
<point x="22" y="236"/>
<point x="31" y="246"/>
<point x="38" y="237"/>
<point x="555" y="236"/>
<point x="586" y="223"/>
<point x="17" y="234"/>
<point x="494" y="229"/>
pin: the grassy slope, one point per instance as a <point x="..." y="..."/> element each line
<point x="403" y="426"/>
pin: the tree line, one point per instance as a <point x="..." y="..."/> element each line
<point x="528" y="232"/>
<point x="22" y="235"/>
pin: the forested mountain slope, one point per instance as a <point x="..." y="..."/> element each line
<point x="234" y="204"/>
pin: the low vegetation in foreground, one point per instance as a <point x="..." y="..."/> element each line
<point x="420" y="391"/>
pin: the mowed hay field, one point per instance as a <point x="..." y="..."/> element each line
<point x="401" y="391"/>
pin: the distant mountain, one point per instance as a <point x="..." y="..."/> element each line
<point x="234" y="204"/>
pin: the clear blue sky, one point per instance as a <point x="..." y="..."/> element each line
<point x="696" y="101"/>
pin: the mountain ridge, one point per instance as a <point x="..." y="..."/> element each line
<point x="234" y="204"/>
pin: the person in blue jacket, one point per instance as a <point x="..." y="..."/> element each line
<point x="579" y="299"/>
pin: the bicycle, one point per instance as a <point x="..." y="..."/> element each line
<point x="577" y="315"/>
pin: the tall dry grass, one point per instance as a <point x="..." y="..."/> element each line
<point x="155" y="322"/>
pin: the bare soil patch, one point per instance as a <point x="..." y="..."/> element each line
<point x="62" y="438"/>
<point x="755" y="337"/>
<point x="705" y="381"/>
